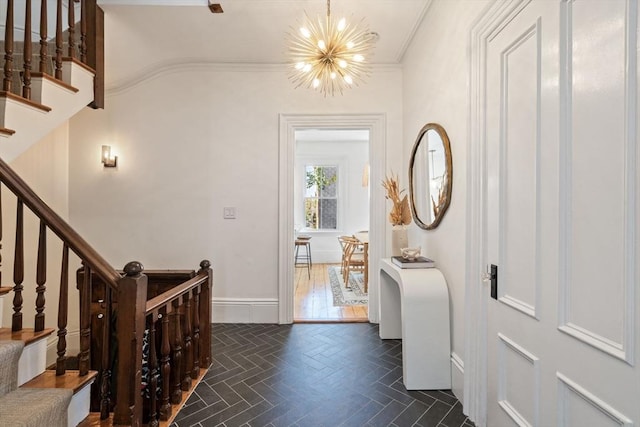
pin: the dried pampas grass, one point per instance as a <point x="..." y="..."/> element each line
<point x="400" y="213"/>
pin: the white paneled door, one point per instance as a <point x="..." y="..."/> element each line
<point x="561" y="205"/>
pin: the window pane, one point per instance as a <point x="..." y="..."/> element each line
<point x="330" y="188"/>
<point x="327" y="211"/>
<point x="311" y="213"/>
<point x="320" y="197"/>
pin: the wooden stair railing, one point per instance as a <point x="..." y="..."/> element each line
<point x="85" y="45"/>
<point x="179" y="345"/>
<point x="168" y="309"/>
<point x="175" y="318"/>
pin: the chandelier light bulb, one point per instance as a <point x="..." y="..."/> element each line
<point x="324" y="49"/>
<point x="305" y="32"/>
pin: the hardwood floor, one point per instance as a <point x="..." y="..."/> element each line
<point x="314" y="300"/>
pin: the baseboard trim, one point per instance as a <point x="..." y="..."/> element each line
<point x="244" y="310"/>
<point x="457" y="376"/>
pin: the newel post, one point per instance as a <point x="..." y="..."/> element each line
<point x="205" y="315"/>
<point x="132" y="300"/>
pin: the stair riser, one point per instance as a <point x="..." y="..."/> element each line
<point x="33" y="361"/>
<point x="79" y="406"/>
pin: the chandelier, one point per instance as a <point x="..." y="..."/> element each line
<point x="330" y="56"/>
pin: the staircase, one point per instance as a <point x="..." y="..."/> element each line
<point x="144" y="339"/>
<point x="43" y="399"/>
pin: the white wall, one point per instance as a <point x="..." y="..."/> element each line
<point x="436" y="89"/>
<point x="351" y="156"/>
<point x="191" y="141"/>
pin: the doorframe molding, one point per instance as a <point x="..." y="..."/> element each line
<point x="492" y="19"/>
<point x="288" y="124"/>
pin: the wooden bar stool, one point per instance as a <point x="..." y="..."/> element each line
<point x="303" y="258"/>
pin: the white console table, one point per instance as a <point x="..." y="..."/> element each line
<point x="414" y="306"/>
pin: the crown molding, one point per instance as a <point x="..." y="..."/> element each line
<point x="191" y="64"/>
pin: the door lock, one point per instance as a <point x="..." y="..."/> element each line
<point x="491" y="275"/>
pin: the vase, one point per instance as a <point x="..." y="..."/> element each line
<point x="399" y="239"/>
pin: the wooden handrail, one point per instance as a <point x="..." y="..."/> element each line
<point x="166" y="297"/>
<point x="59" y="226"/>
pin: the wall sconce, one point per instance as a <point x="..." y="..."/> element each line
<point x="108" y="160"/>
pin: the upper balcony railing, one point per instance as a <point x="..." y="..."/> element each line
<point x="39" y="35"/>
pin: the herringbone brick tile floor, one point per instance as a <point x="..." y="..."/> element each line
<point x="311" y="375"/>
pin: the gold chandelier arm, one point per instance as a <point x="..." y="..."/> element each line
<point x="328" y="8"/>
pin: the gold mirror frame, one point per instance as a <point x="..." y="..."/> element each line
<point x="444" y="197"/>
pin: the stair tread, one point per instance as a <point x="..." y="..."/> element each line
<point x="70" y="380"/>
<point x="18" y="98"/>
<point x="26" y="334"/>
<point x="5" y="290"/>
<point x="7" y="131"/>
<point x="52" y="79"/>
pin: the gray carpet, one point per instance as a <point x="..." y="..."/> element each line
<point x="28" y="407"/>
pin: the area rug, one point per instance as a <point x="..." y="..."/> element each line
<point x="354" y="295"/>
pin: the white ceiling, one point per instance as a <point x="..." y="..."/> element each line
<point x="146" y="34"/>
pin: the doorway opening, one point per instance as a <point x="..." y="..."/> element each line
<point x="331" y="206"/>
<point x="375" y="124"/>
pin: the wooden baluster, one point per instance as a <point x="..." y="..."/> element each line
<point x="44" y="44"/>
<point x="195" y="372"/>
<point x="63" y="303"/>
<point x="165" y="366"/>
<point x="41" y="277"/>
<point x="18" y="270"/>
<point x="26" y="76"/>
<point x="83" y="31"/>
<point x="205" y="315"/>
<point x="176" y="379"/>
<point x="84" y="358"/>
<point x="8" y="48"/>
<point x="105" y="378"/>
<point x="72" y="30"/>
<point x="132" y="298"/>
<point x="153" y="374"/>
<point x="58" y="61"/>
<point x="188" y="351"/>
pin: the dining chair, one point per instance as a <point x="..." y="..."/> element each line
<point x="354" y="258"/>
<point x="343" y="246"/>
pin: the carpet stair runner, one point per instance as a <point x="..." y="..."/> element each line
<point x="45" y="399"/>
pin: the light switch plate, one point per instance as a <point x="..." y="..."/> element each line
<point x="229" y="213"/>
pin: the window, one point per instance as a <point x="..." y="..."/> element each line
<point x="321" y="197"/>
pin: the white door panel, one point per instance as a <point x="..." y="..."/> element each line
<point x="596" y="204"/>
<point x="561" y="205"/>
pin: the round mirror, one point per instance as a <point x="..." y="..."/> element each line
<point x="430" y="172"/>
